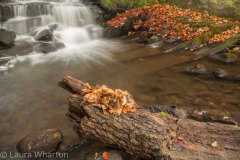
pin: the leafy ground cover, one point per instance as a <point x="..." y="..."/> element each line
<point x="168" y="22"/>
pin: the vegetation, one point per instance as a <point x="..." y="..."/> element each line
<point x="127" y="4"/>
<point x="168" y="22"/>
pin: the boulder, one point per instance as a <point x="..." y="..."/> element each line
<point x="6" y="38"/>
<point x="46" y="141"/>
<point x="42" y="34"/>
<point x="111" y="32"/>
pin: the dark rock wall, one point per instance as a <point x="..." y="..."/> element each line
<point x="6" y="12"/>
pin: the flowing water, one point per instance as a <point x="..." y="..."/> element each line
<point x="31" y="100"/>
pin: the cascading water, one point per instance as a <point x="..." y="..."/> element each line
<point x="67" y="15"/>
<point x="34" y="14"/>
<point x="20" y="10"/>
<point x="29" y="94"/>
<point x="77" y="31"/>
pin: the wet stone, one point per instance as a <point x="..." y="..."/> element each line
<point x="49" y="47"/>
<point x="220" y="73"/>
<point x="198" y="69"/>
<point x="6" y="38"/>
<point x="46" y="141"/>
<point x="53" y="26"/>
<point x="156" y="44"/>
<point x="42" y="34"/>
<point x="225" y="57"/>
<point x="171" y="41"/>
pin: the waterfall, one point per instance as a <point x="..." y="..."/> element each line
<point x="78" y="31"/>
<point x="72" y="15"/>
<point x="29" y="14"/>
<point x="20" y="10"/>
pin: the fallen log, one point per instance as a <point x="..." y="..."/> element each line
<point x="150" y="135"/>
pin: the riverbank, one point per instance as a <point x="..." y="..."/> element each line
<point x="222" y="8"/>
<point x="183" y="28"/>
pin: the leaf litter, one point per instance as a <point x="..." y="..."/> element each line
<point x="110" y="101"/>
<point x="161" y="17"/>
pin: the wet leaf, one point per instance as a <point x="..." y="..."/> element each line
<point x="214" y="144"/>
<point x="110" y="101"/>
<point x="173" y="134"/>
<point x="105" y="155"/>
<point x="178" y="23"/>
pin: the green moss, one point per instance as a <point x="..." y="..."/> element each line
<point x="230" y="55"/>
<point x="200" y="24"/>
<point x="163" y="114"/>
<point x="232" y="41"/>
<point x="127" y="4"/>
<point x="213" y="30"/>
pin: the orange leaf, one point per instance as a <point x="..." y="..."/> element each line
<point x="105" y="155"/>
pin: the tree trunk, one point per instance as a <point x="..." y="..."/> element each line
<point x="151" y="135"/>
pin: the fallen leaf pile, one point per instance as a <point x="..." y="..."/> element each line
<point x="110" y="101"/>
<point x="224" y="35"/>
<point x="171" y="22"/>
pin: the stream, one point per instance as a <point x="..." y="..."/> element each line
<point x="30" y="98"/>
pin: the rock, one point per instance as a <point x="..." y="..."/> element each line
<point x="6" y="38"/>
<point x="220" y="73"/>
<point x="156" y="44"/>
<point x="171" y="41"/>
<point x="42" y="34"/>
<point x="204" y="116"/>
<point x="4" y="60"/>
<point x="180" y="47"/>
<point x="53" y="26"/>
<point x="47" y="141"/>
<point x="236" y="51"/>
<point x="110" y="32"/>
<point x="6" y="12"/>
<point x="198" y="69"/>
<point x="49" y="47"/>
<point x="225" y="57"/>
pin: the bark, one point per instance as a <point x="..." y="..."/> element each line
<point x="150" y="135"/>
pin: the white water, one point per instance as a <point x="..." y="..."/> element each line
<point x="78" y="32"/>
<point x="29" y="15"/>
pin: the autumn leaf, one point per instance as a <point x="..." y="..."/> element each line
<point x="165" y="17"/>
<point x="105" y="156"/>
<point x="110" y="101"/>
<point x="214" y="144"/>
